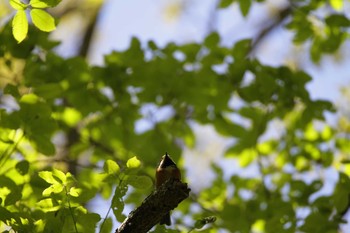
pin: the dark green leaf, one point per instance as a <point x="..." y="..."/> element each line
<point x="22" y="167"/>
<point x="225" y="3"/>
<point x="245" y="6"/>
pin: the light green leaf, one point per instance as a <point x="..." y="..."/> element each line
<point x="29" y="99"/>
<point x="55" y="188"/>
<point x="247" y="157"/>
<point x="48" y="204"/>
<point x="75" y="192"/>
<point x="326" y="133"/>
<point x="337" y="4"/>
<point x="111" y="167"/>
<point x="310" y="133"/>
<point x="39" y="4"/>
<point x="133" y="163"/>
<point x="18" y="5"/>
<point x="60" y="175"/>
<point x="43" y="20"/>
<point x="20" y="26"/>
<point x="48" y="177"/>
<point x="44" y="3"/>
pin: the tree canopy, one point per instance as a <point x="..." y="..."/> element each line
<point x="68" y="128"/>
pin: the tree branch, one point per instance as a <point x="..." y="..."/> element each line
<point x="154" y="207"/>
<point x="280" y="17"/>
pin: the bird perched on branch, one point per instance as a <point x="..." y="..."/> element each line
<point x="167" y="169"/>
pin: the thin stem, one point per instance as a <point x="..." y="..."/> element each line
<point x="71" y="210"/>
<point x="9" y="151"/>
<point x="109" y="209"/>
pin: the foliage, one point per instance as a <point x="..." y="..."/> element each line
<point x="70" y="135"/>
<point x="40" y="18"/>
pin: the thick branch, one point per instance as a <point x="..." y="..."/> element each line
<point x="154" y="207"/>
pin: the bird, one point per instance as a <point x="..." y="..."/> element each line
<point x="167" y="169"/>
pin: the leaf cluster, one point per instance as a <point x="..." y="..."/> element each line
<point x="70" y="133"/>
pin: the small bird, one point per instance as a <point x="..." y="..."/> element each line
<point x="167" y="169"/>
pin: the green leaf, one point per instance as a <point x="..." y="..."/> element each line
<point x="111" y="167"/>
<point x="49" y="90"/>
<point x="337" y="4"/>
<point x="71" y="116"/>
<point x="60" y="175"/>
<point x="22" y="167"/>
<point x="48" y="177"/>
<point x="38" y="4"/>
<point x="118" y="202"/>
<point x="48" y="204"/>
<point x="54" y="188"/>
<point x="133" y="163"/>
<point x="337" y="20"/>
<point x="13" y="197"/>
<point x="212" y="40"/>
<point x="107" y="226"/>
<point x="11" y="90"/>
<point x="43" y="20"/>
<point x="75" y="192"/>
<point x="244" y="5"/>
<point x="225" y="3"/>
<point x="310" y="133"/>
<point x="247" y="157"/>
<point x="43" y="144"/>
<point x="140" y="182"/>
<point x="20" y="26"/>
<point x="18" y="5"/>
<point x="44" y="3"/>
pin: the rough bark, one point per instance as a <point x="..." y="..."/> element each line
<point x="154" y="207"/>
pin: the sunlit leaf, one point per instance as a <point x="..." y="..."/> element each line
<point x="337" y="4"/>
<point x="133" y="163"/>
<point x="60" y="175"/>
<point x="54" y="188"/>
<point x="43" y="20"/>
<point x="17" y="5"/>
<point x="310" y="133"/>
<point x="75" y="192"/>
<point x="38" y="4"/>
<point x="111" y="167"/>
<point x="48" y="177"/>
<point x="20" y="26"/>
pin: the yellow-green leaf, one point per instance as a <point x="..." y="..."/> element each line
<point x="111" y="167"/>
<point x="54" y="188"/>
<point x="247" y="157"/>
<point x="310" y="133"/>
<point x="43" y="20"/>
<point x="20" y="26"/>
<point x="48" y="204"/>
<point x="75" y="192"/>
<point x="38" y="4"/>
<point x="60" y="175"/>
<point x="17" y="4"/>
<point x="133" y="163"/>
<point x="337" y="4"/>
<point x="48" y="177"/>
